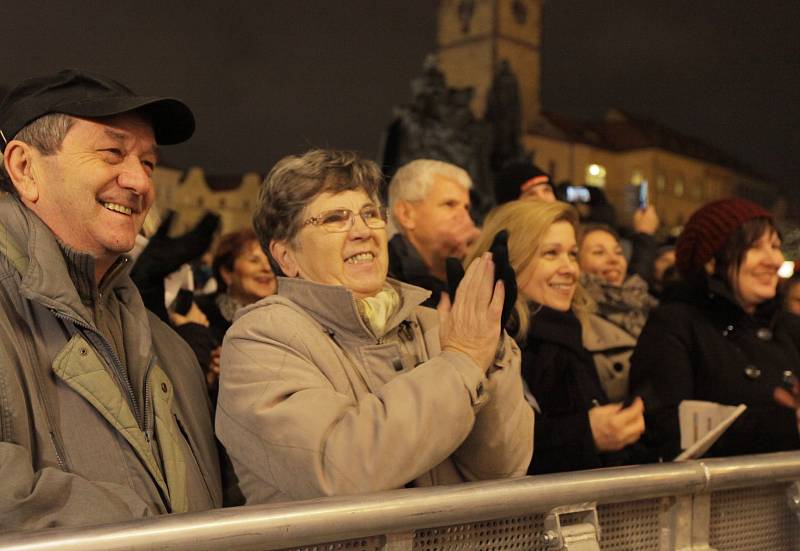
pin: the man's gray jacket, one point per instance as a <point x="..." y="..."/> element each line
<point x="87" y="435"/>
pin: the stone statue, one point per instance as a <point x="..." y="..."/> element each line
<point x="504" y="115"/>
<point x="439" y="124"/>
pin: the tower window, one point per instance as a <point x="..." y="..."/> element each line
<point x="661" y="183"/>
<point x="678" y="189"/>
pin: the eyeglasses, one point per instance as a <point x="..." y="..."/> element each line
<point x="342" y="220"/>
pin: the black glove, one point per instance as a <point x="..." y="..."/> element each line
<point x="502" y="270"/>
<point x="455" y="273"/>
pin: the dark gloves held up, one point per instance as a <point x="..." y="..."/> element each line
<point x="502" y="270"/>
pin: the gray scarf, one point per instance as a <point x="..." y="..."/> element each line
<point x="626" y="306"/>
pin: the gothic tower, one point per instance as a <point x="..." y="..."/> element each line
<point x="475" y="36"/>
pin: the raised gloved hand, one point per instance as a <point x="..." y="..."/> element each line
<point x="502" y="270"/>
<point x="164" y="254"/>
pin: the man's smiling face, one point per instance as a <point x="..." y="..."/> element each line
<point x="95" y="191"/>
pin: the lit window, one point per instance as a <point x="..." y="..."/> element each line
<point x="679" y="187"/>
<point x="697" y="190"/>
<point x="596" y="175"/>
<point x="661" y="183"/>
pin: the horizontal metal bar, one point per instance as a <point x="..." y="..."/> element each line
<point x="325" y="520"/>
<point x="751" y="470"/>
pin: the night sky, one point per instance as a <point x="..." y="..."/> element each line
<point x="269" y="78"/>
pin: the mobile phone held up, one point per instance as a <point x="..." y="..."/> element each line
<point x="578" y="194"/>
<point x="644" y="199"/>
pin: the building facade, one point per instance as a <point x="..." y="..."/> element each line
<point x="192" y="193"/>
<point x="618" y="153"/>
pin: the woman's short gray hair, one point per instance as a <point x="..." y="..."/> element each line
<point x="296" y="180"/>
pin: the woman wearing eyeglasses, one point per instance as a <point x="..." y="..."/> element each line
<point x="341" y="383"/>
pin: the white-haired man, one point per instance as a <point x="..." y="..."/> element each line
<point x="103" y="411"/>
<point x="429" y="209"/>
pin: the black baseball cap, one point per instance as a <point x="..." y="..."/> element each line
<point x="83" y="94"/>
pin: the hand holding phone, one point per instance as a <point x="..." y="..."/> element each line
<point x="644" y="199"/>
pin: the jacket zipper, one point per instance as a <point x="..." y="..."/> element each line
<point x="99" y="342"/>
<point x="62" y="464"/>
<point x="147" y="410"/>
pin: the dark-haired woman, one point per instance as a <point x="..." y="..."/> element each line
<point x="723" y="338"/>
<point x="623" y="304"/>
<point x="243" y="277"/>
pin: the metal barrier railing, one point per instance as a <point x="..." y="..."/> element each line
<point x="688" y="505"/>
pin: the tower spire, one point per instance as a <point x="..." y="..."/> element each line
<point x="475" y="36"/>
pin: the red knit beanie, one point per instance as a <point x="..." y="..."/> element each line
<point x="708" y="229"/>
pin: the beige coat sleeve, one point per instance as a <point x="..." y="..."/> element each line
<point x="32" y="500"/>
<point x="501" y="442"/>
<point x="290" y="413"/>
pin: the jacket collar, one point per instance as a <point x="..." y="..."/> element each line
<point x="334" y="306"/>
<point x="45" y="267"/>
<point x="562" y="328"/>
<point x="714" y="296"/>
<point x="410" y="262"/>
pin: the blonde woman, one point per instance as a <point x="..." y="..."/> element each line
<point x="576" y="427"/>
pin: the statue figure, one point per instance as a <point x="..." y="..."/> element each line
<point x="504" y="114"/>
<point x="438" y="124"/>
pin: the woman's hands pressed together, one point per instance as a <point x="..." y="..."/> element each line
<point x="471" y="324"/>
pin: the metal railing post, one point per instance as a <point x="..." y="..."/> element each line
<point x="676" y="523"/>
<point x="400" y="541"/>
<point x="701" y="521"/>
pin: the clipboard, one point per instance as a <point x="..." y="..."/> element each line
<point x="692" y="412"/>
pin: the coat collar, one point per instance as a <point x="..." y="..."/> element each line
<point x="714" y="297"/>
<point x="599" y="334"/>
<point x="45" y="268"/>
<point x="562" y="328"/>
<point x="334" y="306"/>
<point x="719" y="293"/>
<point x="410" y="262"/>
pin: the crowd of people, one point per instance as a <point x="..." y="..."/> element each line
<point x="349" y="346"/>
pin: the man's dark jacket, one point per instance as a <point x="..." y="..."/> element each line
<point x="405" y="264"/>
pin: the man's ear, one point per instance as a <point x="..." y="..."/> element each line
<point x="710" y="266"/>
<point x="18" y="159"/>
<point x="405" y="214"/>
<point x="284" y="256"/>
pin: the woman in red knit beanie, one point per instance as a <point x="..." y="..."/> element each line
<point x="722" y="336"/>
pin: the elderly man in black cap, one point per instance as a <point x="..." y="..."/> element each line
<point x="103" y="410"/>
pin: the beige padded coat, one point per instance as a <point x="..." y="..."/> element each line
<point x="312" y="404"/>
